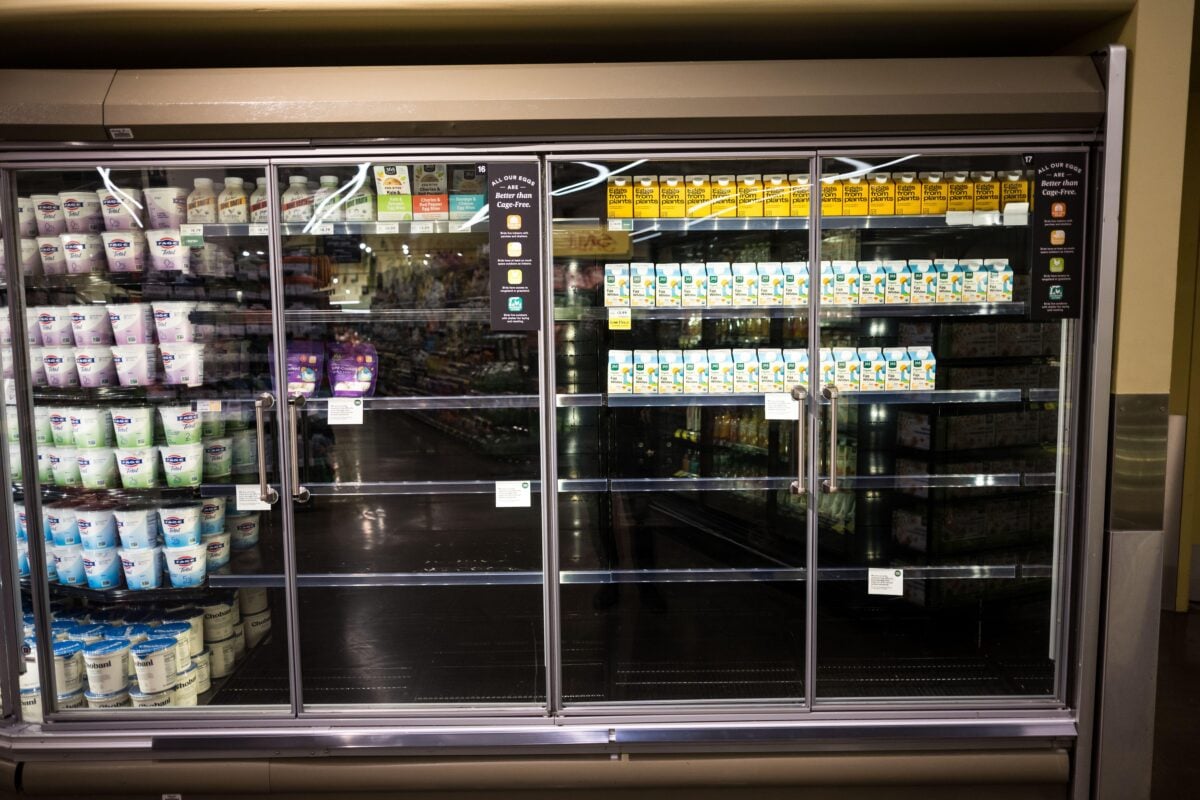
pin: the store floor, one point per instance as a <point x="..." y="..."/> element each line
<point x="1177" y="710"/>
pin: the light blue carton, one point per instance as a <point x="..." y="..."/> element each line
<point x="669" y="292"/>
<point x="795" y="283"/>
<point x="872" y="283"/>
<point x="898" y="283"/>
<point x="949" y="281"/>
<point x="770" y="283"/>
<point x="897" y="375"/>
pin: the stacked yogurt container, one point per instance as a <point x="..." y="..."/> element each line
<point x="144" y="656"/>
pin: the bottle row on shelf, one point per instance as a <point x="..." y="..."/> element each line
<point x="790" y="194"/>
<point x="769" y="370"/>
<point x="772" y="283"/>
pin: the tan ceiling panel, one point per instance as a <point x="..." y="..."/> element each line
<point x="56" y="104"/>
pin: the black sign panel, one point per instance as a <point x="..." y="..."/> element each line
<point x="1058" y="214"/>
<point x="515" y="224"/>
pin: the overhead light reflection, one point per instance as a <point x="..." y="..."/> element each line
<point x="338" y="198"/>
<point x="125" y="200"/>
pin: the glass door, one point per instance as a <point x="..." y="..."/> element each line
<point x="680" y="333"/>
<point x="147" y="492"/>
<point x="416" y="444"/>
<point x="943" y="380"/>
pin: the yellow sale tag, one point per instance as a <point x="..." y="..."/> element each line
<point x="620" y="319"/>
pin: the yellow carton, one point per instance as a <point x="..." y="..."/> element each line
<point x="672" y="199"/>
<point x="724" y="196"/>
<point x="1014" y="188"/>
<point x="645" y="196"/>
<point x="854" y="197"/>
<point x="776" y="202"/>
<point x="933" y="193"/>
<point x="749" y="195"/>
<point x="831" y="196"/>
<point x="908" y="194"/>
<point x="697" y="194"/>
<point x="800" y="192"/>
<point x="620" y="197"/>
<point x="987" y="191"/>
<point x="960" y="192"/>
<point x="881" y="195"/>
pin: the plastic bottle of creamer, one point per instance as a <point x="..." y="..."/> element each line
<point x="297" y="202"/>
<point x="202" y="202"/>
<point x="329" y="185"/>
<point x="232" y="205"/>
<point x="258" y="202"/>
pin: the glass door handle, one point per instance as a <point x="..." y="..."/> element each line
<point x="264" y="401"/>
<point x="800" y="395"/>
<point x="830" y="393"/>
<point x="299" y="493"/>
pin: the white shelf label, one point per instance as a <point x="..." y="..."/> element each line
<point x="620" y="225"/>
<point x="323" y="229"/>
<point x="887" y="581"/>
<point x="259" y="229"/>
<point x="192" y="235"/>
<point x="208" y="406"/>
<point x="780" y="405"/>
<point x="345" y="411"/>
<point x="620" y="319"/>
<point x="513" y="494"/>
<point x="387" y="227"/>
<point x="248" y="498"/>
<point x="422" y="227"/>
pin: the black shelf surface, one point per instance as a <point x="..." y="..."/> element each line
<point x="122" y="595"/>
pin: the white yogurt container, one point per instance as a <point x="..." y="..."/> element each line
<point x="64" y="466"/>
<point x="107" y="665"/>
<point x="81" y="212"/>
<point x="90" y="325"/>
<point x="94" y="366"/>
<point x="154" y="662"/>
<point x="135" y="364"/>
<point x="91" y="427"/>
<point x="166" y="207"/>
<point x="102" y="568"/>
<point x="245" y="449"/>
<point x="14" y="461"/>
<point x="61" y="524"/>
<point x="97" y="468"/>
<point x="142" y="567"/>
<point x="68" y="666"/>
<point x="186" y="565"/>
<point x="50" y="253"/>
<point x="37" y="367"/>
<point x="251" y="600"/>
<point x="203" y="671"/>
<point x="61" y="431"/>
<point x="31" y="704"/>
<point x="121" y="208"/>
<point x="243" y="528"/>
<point x="125" y="251"/>
<point x="31" y="260"/>
<point x="26" y="217"/>
<point x="216" y="546"/>
<point x="138" y="467"/>
<point x="119" y="699"/>
<point x="239" y="640"/>
<point x="193" y="616"/>
<point x="137" y="528"/>
<point x="183" y="466"/>
<point x="48" y="214"/>
<point x="181" y="424"/>
<point x="256" y="627"/>
<point x="133" y="426"/>
<point x="54" y="322"/>
<point x="33" y="328"/>
<point x="180" y="524"/>
<point x="41" y="425"/>
<point x="86" y="632"/>
<point x="183" y="364"/>
<point x="221" y="657"/>
<point x="212" y="515"/>
<point x="97" y="528"/>
<point x="132" y="323"/>
<point x="167" y="253"/>
<point x="66" y="702"/>
<point x="181" y="632"/>
<point x="218" y="620"/>
<point x="68" y="562"/>
<point x="83" y="252"/>
<point x="185" y="689"/>
<point x="173" y="321"/>
<point x="59" y="363"/>
<point x="218" y="458"/>
<point x="140" y="699"/>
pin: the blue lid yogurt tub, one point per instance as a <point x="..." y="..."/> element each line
<point x="31" y="704"/>
<point x="118" y="699"/>
<point x="185" y="686"/>
<point x="68" y="667"/>
<point x="154" y="662"/>
<point x="159" y="699"/>
<point x="107" y="665"/>
<point x="70" y="700"/>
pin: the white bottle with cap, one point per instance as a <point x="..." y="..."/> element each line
<point x="202" y="202"/>
<point x="258" y="202"/>
<point x="323" y="205"/>
<point x="296" y="201"/>
<point x="232" y="206"/>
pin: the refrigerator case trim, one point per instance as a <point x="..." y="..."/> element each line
<point x="552" y="605"/>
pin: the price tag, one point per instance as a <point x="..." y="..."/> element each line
<point x="620" y="225"/>
<point x="345" y="411"/>
<point x="887" y="581"/>
<point x="323" y="229"/>
<point x="10" y="392"/>
<point x="422" y="227"/>
<point x="780" y="405"/>
<point x="192" y="235"/>
<point x="387" y="227"/>
<point x="248" y="498"/>
<point x="259" y="229"/>
<point x="513" y="494"/>
<point x="207" y="406"/>
<point x="620" y="319"/>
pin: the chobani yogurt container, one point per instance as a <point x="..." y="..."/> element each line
<point x="185" y="687"/>
<point x="193" y="615"/>
<point x="186" y="565"/>
<point x="181" y="633"/>
<point x="138" y="467"/>
<point x="81" y="212"/>
<point x="84" y="253"/>
<point x="239" y="640"/>
<point x="221" y="657"/>
<point x="94" y="366"/>
<point x="167" y="253"/>
<point x="59" y="363"/>
<point x="68" y="666"/>
<point x="121" y="207"/>
<point x="54" y="322"/>
<point x="252" y="600"/>
<point x="243" y="529"/>
<point x="97" y="528"/>
<point x="125" y="251"/>
<point x="203" y="671"/>
<point x="71" y="700"/>
<point x="173" y="321"/>
<point x="107" y="665"/>
<point x="50" y="253"/>
<point x="48" y="214"/>
<point x="137" y="528"/>
<point x="154" y="662"/>
<point x="180" y="524"/>
<point x="166" y="207"/>
<point x="102" y="568"/>
<point x="91" y="427"/>
<point x="86" y="632"/>
<point x="136" y="364"/>
<point x="256" y="627"/>
<point x="218" y="457"/>
<point x="118" y="699"/>
<point x="181" y="424"/>
<point x="140" y="699"/>
<point x="183" y="465"/>
<point x="142" y="567"/>
<point x="31" y="704"/>
<point x="90" y="325"/>
<point x="132" y="323"/>
<point x="68" y="561"/>
<point x="218" y="620"/>
<point x="212" y="515"/>
<point x="183" y="364"/>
